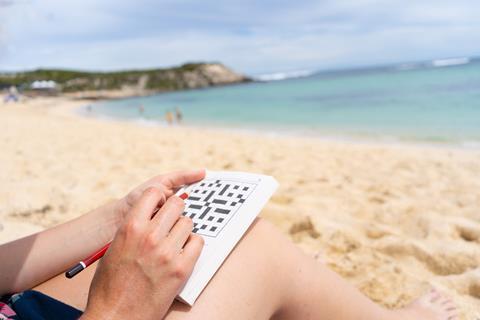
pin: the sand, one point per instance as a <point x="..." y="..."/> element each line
<point x="392" y="219"/>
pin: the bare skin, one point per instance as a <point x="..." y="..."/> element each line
<point x="26" y="266"/>
<point x="147" y="258"/>
<point x="432" y="305"/>
<point x="265" y="277"/>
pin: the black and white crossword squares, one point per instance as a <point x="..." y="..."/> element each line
<point x="213" y="203"/>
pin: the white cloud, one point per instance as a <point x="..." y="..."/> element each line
<point x="250" y="36"/>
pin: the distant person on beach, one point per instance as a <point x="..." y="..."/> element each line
<point x="12" y="95"/>
<point x="141" y="109"/>
<point x="169" y="117"/>
<point x="178" y="115"/>
<point x="150" y="259"/>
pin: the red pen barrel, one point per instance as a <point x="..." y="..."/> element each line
<point x="96" y="256"/>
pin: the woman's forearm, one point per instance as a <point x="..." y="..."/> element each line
<point x="31" y="260"/>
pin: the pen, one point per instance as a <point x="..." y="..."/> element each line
<point x="82" y="265"/>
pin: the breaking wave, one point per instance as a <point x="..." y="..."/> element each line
<point x="276" y="76"/>
<point x="450" y="62"/>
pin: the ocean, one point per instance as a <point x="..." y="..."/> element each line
<point x="436" y="103"/>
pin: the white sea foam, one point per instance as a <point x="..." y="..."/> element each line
<point x="284" y="75"/>
<point x="471" y="144"/>
<point x="450" y="62"/>
<point x="148" y="122"/>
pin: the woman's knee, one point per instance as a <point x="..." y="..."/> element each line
<point x="262" y="229"/>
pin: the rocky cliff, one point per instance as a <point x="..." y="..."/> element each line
<point x="128" y="83"/>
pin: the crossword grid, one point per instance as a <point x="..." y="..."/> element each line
<point x="212" y="203"/>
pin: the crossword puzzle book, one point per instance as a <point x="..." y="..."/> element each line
<point x="222" y="207"/>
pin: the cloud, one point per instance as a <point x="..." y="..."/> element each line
<point x="250" y="36"/>
<point x="6" y="3"/>
<point x="3" y="5"/>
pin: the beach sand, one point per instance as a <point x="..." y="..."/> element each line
<point x="392" y="219"/>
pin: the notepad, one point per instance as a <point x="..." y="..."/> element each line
<point x="222" y="206"/>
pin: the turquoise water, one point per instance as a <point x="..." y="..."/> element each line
<point x="430" y="104"/>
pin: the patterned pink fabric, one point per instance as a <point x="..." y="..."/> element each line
<point x="6" y="312"/>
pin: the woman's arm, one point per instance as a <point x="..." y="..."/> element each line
<point x="31" y="260"/>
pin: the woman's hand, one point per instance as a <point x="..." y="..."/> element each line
<point x="148" y="261"/>
<point x="167" y="184"/>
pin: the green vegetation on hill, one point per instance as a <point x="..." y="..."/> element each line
<point x="190" y="75"/>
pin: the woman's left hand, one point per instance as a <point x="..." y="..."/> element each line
<point x="167" y="184"/>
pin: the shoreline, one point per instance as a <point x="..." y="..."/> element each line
<point x="391" y="219"/>
<point x="290" y="133"/>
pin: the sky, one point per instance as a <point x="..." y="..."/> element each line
<point x="252" y="37"/>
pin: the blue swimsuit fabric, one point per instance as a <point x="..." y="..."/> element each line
<point x="34" y="305"/>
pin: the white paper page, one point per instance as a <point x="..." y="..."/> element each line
<point x="222" y="207"/>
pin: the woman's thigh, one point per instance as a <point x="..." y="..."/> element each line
<point x="247" y="285"/>
<point x="71" y="291"/>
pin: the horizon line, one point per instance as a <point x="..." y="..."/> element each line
<point x="357" y="67"/>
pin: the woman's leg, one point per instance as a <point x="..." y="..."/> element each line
<point x="242" y="286"/>
<point x="71" y="291"/>
<point x="264" y="277"/>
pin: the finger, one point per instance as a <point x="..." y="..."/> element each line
<point x="167" y="216"/>
<point x="168" y="182"/>
<point x="180" y="232"/>
<point x="147" y="204"/>
<point x="192" y="249"/>
<point x="180" y="178"/>
<point x="135" y="194"/>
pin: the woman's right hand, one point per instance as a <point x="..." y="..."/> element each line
<point x="147" y="263"/>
